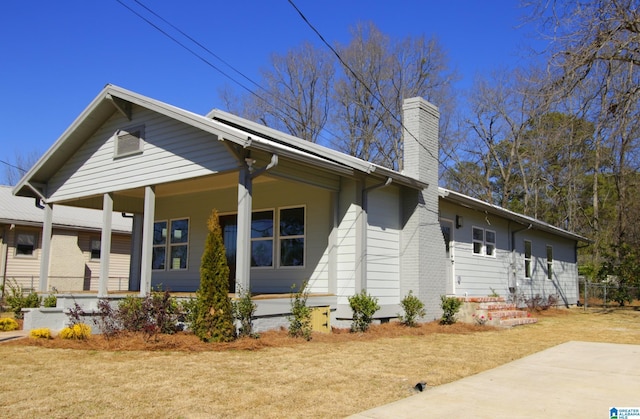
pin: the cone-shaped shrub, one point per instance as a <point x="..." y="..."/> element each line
<point x="214" y="320"/>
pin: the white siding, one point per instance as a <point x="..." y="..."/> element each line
<point x="172" y="151"/>
<point x="383" y="245"/>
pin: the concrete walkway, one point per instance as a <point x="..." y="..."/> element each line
<point x="14" y="334"/>
<point x="571" y="380"/>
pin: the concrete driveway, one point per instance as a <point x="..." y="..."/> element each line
<point x="572" y="380"/>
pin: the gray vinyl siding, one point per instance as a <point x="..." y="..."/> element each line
<point x="172" y="151"/>
<point x="383" y="245"/>
<point x="564" y="282"/>
<point x="271" y="195"/>
<point x="479" y="275"/>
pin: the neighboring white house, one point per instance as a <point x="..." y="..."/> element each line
<point x="75" y="246"/>
<point x="291" y="211"/>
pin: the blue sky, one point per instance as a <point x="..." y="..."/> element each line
<point x="55" y="56"/>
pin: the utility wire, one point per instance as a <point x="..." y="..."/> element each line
<point x="13" y="166"/>
<point x="190" y="50"/>
<point x="357" y="77"/>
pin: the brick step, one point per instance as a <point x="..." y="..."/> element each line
<point x="508" y="314"/>
<point x="496" y="306"/>
<point x="517" y="321"/>
<point x="482" y="299"/>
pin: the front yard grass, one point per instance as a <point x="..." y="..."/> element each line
<point x="331" y="376"/>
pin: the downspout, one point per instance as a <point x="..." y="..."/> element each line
<point x="365" y="223"/>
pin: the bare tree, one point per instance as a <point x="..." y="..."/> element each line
<point x="360" y="106"/>
<point x="379" y="74"/>
<point x="594" y="49"/>
<point x="294" y="93"/>
<point x="16" y="168"/>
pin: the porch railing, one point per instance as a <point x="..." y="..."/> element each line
<point x="30" y="283"/>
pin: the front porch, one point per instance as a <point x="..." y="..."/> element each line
<point x="272" y="310"/>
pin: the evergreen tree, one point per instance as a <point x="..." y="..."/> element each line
<point x="214" y="321"/>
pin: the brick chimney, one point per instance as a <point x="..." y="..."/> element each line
<point x="423" y="250"/>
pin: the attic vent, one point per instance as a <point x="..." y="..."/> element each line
<point x="129" y="141"/>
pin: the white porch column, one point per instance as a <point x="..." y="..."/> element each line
<point x="136" y="253"/>
<point x="105" y="245"/>
<point x="147" y="240"/>
<point x="47" y="227"/>
<point x="243" y="249"/>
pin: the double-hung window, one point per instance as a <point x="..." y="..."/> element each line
<point x="262" y="239"/>
<point x="170" y="244"/>
<point x="527" y="259"/>
<point x="292" y="236"/>
<point x="484" y="241"/>
<point x="288" y="239"/>
<point x="549" y="262"/>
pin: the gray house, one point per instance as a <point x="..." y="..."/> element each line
<point x="291" y="211"/>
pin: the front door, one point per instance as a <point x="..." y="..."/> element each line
<point x="447" y="234"/>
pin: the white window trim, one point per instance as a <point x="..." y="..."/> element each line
<point x="528" y="275"/>
<point x="483" y="242"/>
<point x="154" y="246"/>
<point x="169" y="266"/>
<point x="549" y="263"/>
<point x="272" y="238"/>
<point x="303" y="236"/>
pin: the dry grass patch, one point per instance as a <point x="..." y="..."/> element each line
<point x="333" y="375"/>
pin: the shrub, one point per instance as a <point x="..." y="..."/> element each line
<point x="413" y="310"/>
<point x="43" y="333"/>
<point x="17" y="300"/>
<point x="50" y="301"/>
<point x="300" y="319"/>
<point x="107" y="319"/>
<point x="364" y="307"/>
<point x="78" y="331"/>
<point x="131" y="315"/>
<point x="7" y="324"/>
<point x="450" y="307"/>
<point x="243" y="310"/>
<point x="75" y="314"/>
<point x="188" y="310"/>
<point x="214" y="321"/>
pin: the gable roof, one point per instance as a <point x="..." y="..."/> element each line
<point x="23" y="211"/>
<point x="227" y="127"/>
<point x="474" y="203"/>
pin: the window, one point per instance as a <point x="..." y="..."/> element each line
<point x="173" y="242"/>
<point x="129" y="141"/>
<point x="292" y="236"/>
<point x="262" y="239"/>
<point x="527" y="259"/>
<point x="478" y="240"/>
<point x="95" y="249"/>
<point x="549" y="262"/>
<point x="490" y="242"/>
<point x="484" y="242"/>
<point x="26" y="244"/>
<point x="289" y="237"/>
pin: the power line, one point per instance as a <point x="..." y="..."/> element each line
<point x="13" y="166"/>
<point x="365" y="85"/>
<point x="203" y="59"/>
